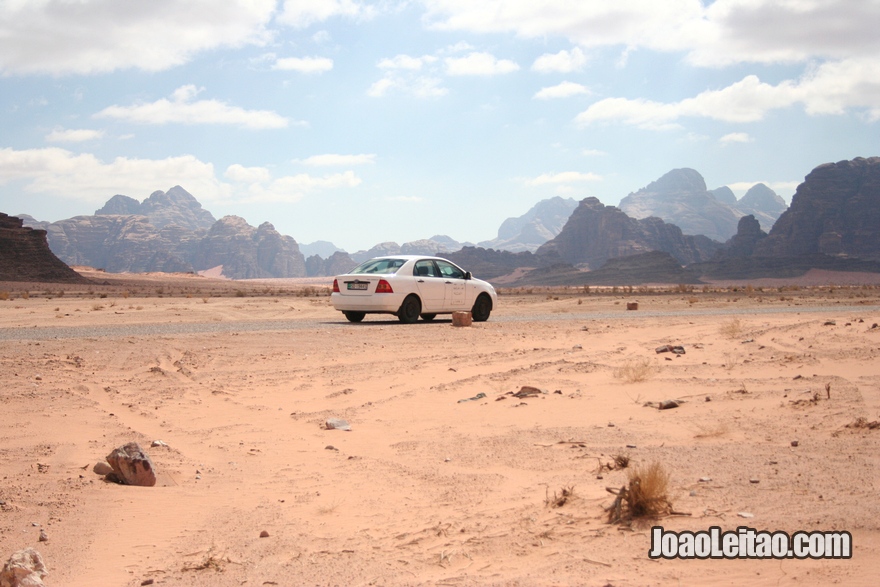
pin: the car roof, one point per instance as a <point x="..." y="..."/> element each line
<point x="409" y="257"/>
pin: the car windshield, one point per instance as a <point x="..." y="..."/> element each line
<point x="379" y="266"/>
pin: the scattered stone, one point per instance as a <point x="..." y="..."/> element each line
<point x="330" y="447"/>
<point x="830" y="323"/>
<point x="337" y="424"/>
<point x="102" y="468"/>
<point x="529" y="391"/>
<point x="264" y="534"/>
<point x="748" y="340"/>
<point x="668" y="404"/>
<point x="157" y="443"/>
<point x="705" y="479"/>
<point x="462" y="319"/>
<point x="131" y="466"/>
<point x="479" y="396"/>
<point x="745" y="515"/>
<point x="577" y="347"/>
<point x="794" y="443"/>
<point x="146" y="582"/>
<point x="753" y="480"/>
<point x="25" y="568"/>
<point x="668" y="348"/>
<point x="631" y="446"/>
<point x="43" y="536"/>
<point x="632" y="305"/>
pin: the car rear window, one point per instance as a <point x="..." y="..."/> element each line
<point x="379" y="266"/>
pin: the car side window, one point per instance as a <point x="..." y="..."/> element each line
<point x="449" y="270"/>
<point x="425" y="268"/>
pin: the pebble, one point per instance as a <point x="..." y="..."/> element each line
<point x="753" y="480"/>
<point x="705" y="479"/>
<point x="43" y="536"/>
<point x="745" y="515"/>
<point x="794" y="443"/>
<point x="264" y="534"/>
<point x="158" y="443"/>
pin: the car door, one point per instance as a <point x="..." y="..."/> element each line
<point x="432" y="289"/>
<point x="456" y="297"/>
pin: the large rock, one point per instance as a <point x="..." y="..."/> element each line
<point x="25" y="568"/>
<point x="131" y="466"/>
<point x="176" y="206"/>
<point x="596" y="233"/>
<point x="680" y="197"/>
<point x="743" y="243"/>
<point x="337" y="264"/>
<point x="25" y="255"/>
<point x="835" y="211"/>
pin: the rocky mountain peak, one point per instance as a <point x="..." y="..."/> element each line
<point x="119" y="205"/>
<point x="679" y="180"/>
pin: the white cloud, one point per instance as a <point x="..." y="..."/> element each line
<point x="241" y="174"/>
<point x="335" y="160"/>
<point x="562" y="62"/>
<point x="710" y="33"/>
<point x="831" y="88"/>
<point x="181" y="109"/>
<point x="304" y="64"/>
<point x="92" y="36"/>
<point x="564" y="177"/>
<point x="735" y="137"/>
<point x="303" y="13"/>
<point x="80" y="135"/>
<point x="84" y="177"/>
<point x="563" y="90"/>
<point x="406" y="62"/>
<point x="59" y="172"/>
<point x="478" y="63"/>
<point x="418" y="86"/>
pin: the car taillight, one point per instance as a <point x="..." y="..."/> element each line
<point x="335" y="286"/>
<point x="383" y="287"/>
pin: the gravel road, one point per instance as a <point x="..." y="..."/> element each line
<point x="128" y="330"/>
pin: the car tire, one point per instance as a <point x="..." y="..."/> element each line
<point x="410" y="309"/>
<point x="482" y="308"/>
<point x="355" y="316"/>
<point x="428" y="317"/>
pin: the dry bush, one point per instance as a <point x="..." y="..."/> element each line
<point x="4" y="295"/>
<point x="731" y="329"/>
<point x="559" y="500"/>
<point x="646" y="495"/>
<point x="635" y="370"/>
<point x="715" y="430"/>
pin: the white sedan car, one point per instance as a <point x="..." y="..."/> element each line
<point x="410" y="286"/>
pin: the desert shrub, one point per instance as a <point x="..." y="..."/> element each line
<point x="4" y="295"/>
<point x="646" y="495"/>
<point x="635" y="370"/>
<point x="731" y="329"/>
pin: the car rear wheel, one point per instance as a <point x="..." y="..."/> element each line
<point x="409" y="310"/>
<point x="482" y="308"/>
<point x="428" y="317"/>
<point x="355" y="316"/>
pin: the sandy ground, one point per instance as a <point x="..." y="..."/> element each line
<point x="427" y="490"/>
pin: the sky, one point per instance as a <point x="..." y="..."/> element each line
<point x="360" y="122"/>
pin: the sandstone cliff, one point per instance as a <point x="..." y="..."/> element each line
<point x="534" y="228"/>
<point x="595" y="233"/>
<point x="835" y="211"/>
<point x="246" y="252"/>
<point x="25" y="255"/>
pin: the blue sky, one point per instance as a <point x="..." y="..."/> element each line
<point x="362" y="122"/>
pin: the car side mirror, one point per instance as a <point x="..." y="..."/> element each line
<point x="467" y="275"/>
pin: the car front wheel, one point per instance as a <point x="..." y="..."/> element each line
<point x="409" y="310"/>
<point x="355" y="316"/>
<point x="482" y="308"/>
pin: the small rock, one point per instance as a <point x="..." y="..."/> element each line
<point x="146" y="582"/>
<point x="705" y="479"/>
<point x="753" y="480"/>
<point x="25" y="568"/>
<point x="264" y="534"/>
<point x="632" y="305"/>
<point x="745" y="515"/>
<point x="330" y="447"/>
<point x="156" y="443"/>
<point x="577" y="347"/>
<point x="794" y="443"/>
<point x="102" y="468"/>
<point x="462" y="319"/>
<point x="830" y="323"/>
<point x="693" y="493"/>
<point x="631" y="446"/>
<point x="43" y="536"/>
<point x="668" y="404"/>
<point x="337" y="424"/>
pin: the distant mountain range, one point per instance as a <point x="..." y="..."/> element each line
<point x="673" y="223"/>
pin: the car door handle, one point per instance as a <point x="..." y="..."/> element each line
<point x="421" y="281"/>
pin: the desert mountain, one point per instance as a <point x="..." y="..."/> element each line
<point x="534" y="228"/>
<point x="596" y="233"/>
<point x="25" y="255"/>
<point x="680" y="197"/>
<point x="835" y="211"/>
<point x="171" y="232"/>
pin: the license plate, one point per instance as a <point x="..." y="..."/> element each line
<point x="358" y="286"/>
